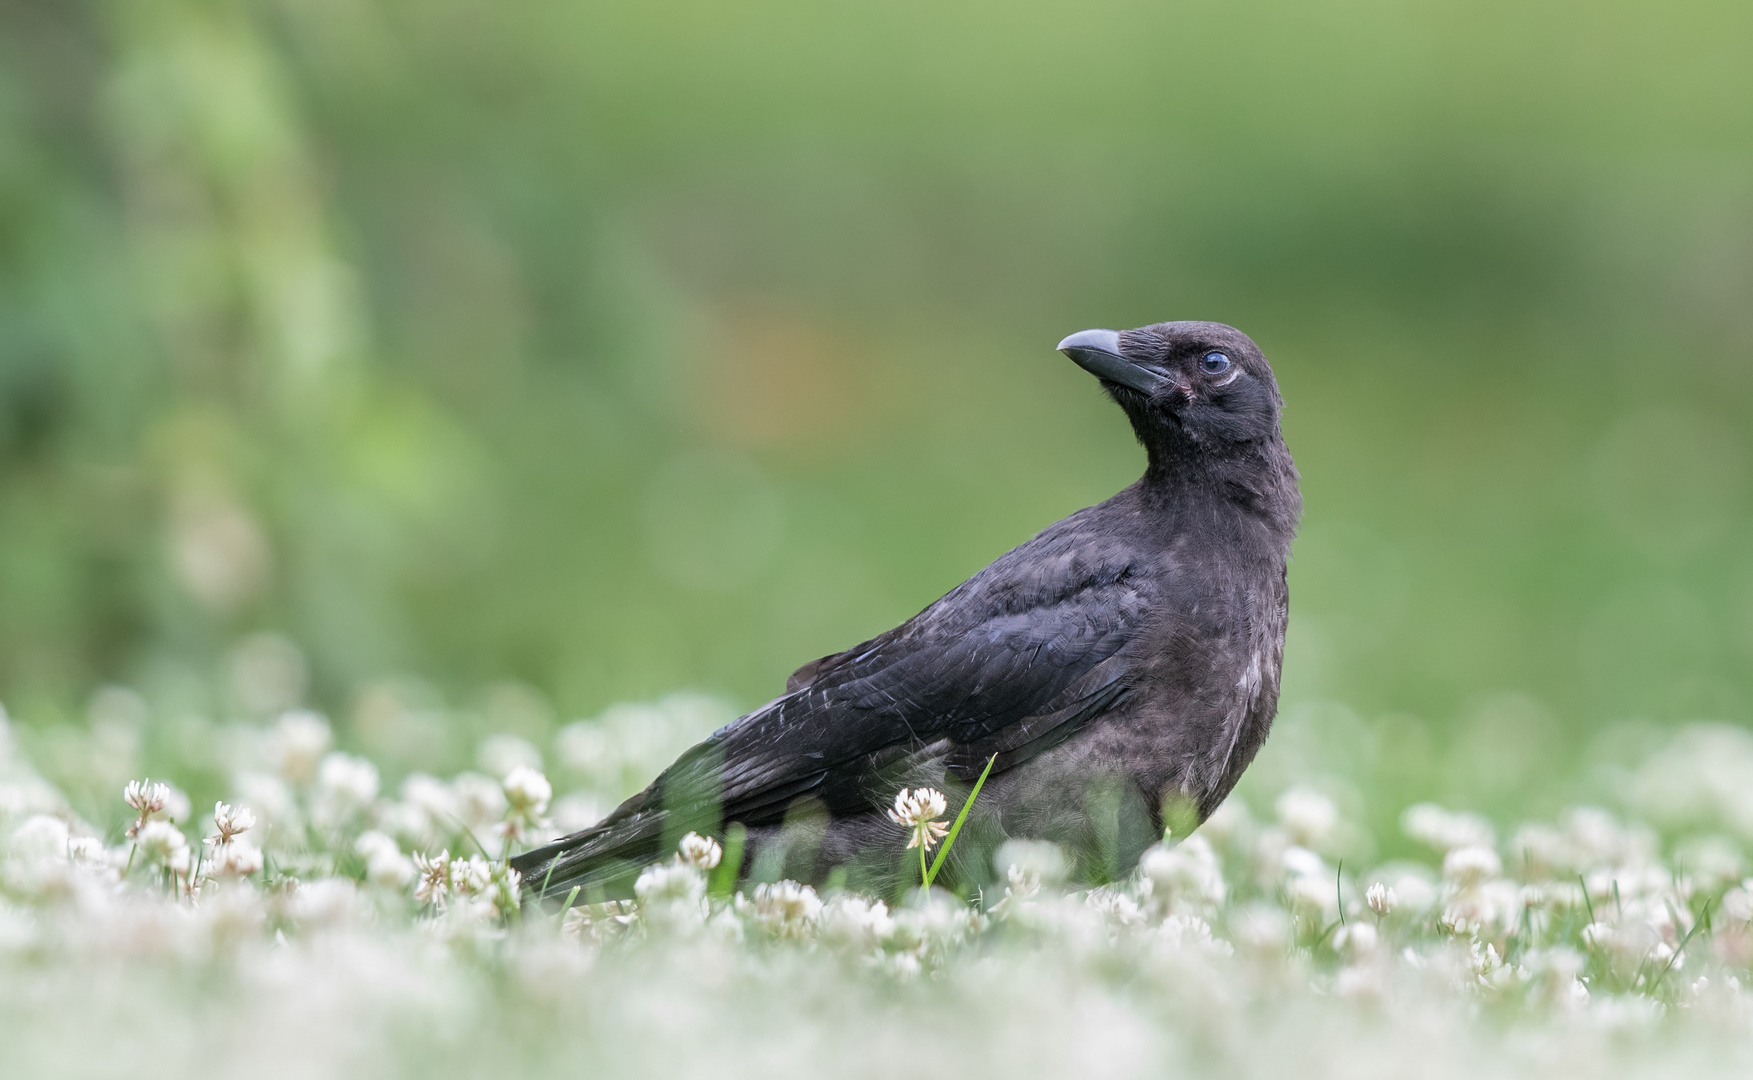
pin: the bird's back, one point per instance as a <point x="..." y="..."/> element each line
<point x="1101" y="613"/>
<point x="1121" y="665"/>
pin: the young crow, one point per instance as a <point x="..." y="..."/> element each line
<point x="1118" y="671"/>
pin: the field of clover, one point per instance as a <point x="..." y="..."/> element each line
<point x="319" y="923"/>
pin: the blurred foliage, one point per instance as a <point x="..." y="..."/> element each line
<point x="598" y="350"/>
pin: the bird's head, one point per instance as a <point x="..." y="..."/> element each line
<point x="1190" y="388"/>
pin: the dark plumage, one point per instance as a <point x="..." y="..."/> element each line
<point x="1121" y="668"/>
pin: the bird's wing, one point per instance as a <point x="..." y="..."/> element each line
<point x="1009" y="663"/>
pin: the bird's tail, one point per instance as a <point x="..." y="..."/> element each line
<point x="602" y="861"/>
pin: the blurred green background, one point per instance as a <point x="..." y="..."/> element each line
<point x="455" y="366"/>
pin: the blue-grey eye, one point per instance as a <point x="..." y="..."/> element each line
<point x="1214" y="363"/>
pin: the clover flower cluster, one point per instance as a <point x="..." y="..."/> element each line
<point x="326" y="895"/>
<point x="917" y="811"/>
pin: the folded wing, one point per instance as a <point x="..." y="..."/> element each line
<point x="1007" y="665"/>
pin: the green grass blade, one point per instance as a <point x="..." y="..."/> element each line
<point x="567" y="906"/>
<point x="730" y="865"/>
<point x="948" y="841"/>
<point x="1682" y="946"/>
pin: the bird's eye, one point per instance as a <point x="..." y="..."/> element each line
<point x="1214" y="363"/>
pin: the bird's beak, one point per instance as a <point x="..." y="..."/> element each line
<point x="1098" y="352"/>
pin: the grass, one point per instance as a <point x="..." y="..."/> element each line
<point x="949" y="841"/>
<point x="1246" y="948"/>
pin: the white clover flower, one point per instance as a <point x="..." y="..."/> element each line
<point x="700" y="852"/>
<point x="505" y="891"/>
<point x="1556" y="975"/>
<point x="786" y="908"/>
<point x="230" y="821"/>
<point x="1662" y="955"/>
<point x="345" y="786"/>
<point x="405" y="822"/>
<point x="575" y="924"/>
<point x="1468" y="866"/>
<point x="1227" y="823"/>
<point x="89" y="851"/>
<point x="1355" y="940"/>
<point x="1737" y="904"/>
<point x="1301" y="862"/>
<point x="1542" y="851"/>
<point x="1533" y="897"/>
<point x="1597" y="837"/>
<point x="326" y="902"/>
<point x="1115" y="906"/>
<point x="501" y="754"/>
<point x="1445" y="830"/>
<point x="1414" y="892"/>
<point x="391" y="870"/>
<point x="526" y="795"/>
<point x="385" y="865"/>
<point x="42" y="837"/>
<point x="177" y="807"/>
<point x="163" y="844"/>
<point x="1308" y="816"/>
<point x="917" y="811"/>
<point x="584" y="748"/>
<point x="297" y="744"/>
<point x="1178" y="932"/>
<point x="597" y="923"/>
<point x="234" y="917"/>
<point x="1381" y="899"/>
<point x="372" y="843"/>
<point x="1712" y="862"/>
<point x="931" y="923"/>
<point x="431" y="804"/>
<point x="269" y="796"/>
<point x="480" y="801"/>
<point x="1185" y="878"/>
<point x="470" y="876"/>
<point x="14" y="800"/>
<point x="1262" y="928"/>
<point x="674" y="883"/>
<point x="528" y="791"/>
<point x="1484" y="958"/>
<point x="1316" y="895"/>
<point x="147" y="799"/>
<point x="1020" y="885"/>
<point x="855" y="923"/>
<point x="1560" y="897"/>
<point x="434" y="872"/>
<point x="1360" y="982"/>
<point x="1038" y="861"/>
<point x="1493" y="905"/>
<point x="902" y="965"/>
<point x="239" y="858"/>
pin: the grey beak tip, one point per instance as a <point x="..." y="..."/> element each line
<point x="1101" y="340"/>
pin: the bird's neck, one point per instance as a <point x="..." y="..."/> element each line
<point x="1254" y="485"/>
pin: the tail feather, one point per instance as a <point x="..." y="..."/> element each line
<point x="603" y="859"/>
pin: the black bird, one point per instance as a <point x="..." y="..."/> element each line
<point x="1119" y="671"/>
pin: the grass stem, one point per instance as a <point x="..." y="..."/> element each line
<point x="955" y="829"/>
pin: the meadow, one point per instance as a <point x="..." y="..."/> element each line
<point x="399" y="394"/>
<point x="331" y="927"/>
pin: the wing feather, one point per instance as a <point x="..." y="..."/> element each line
<point x="1010" y="663"/>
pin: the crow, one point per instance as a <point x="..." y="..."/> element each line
<point x="1115" y="674"/>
